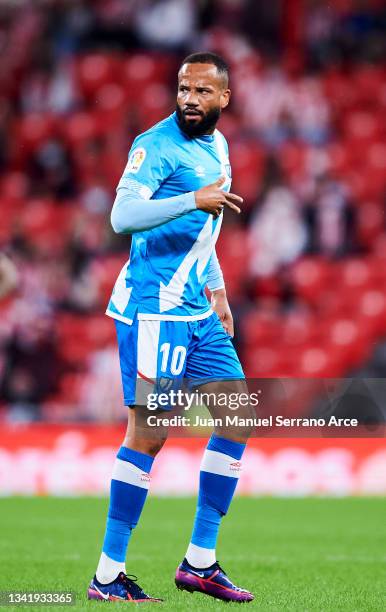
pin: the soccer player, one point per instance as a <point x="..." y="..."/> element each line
<point x="171" y="199"/>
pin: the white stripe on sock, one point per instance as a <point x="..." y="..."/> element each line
<point x="131" y="474"/>
<point x="218" y="463"/>
<point x="108" y="569"/>
<point x="200" y="557"/>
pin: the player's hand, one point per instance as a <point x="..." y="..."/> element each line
<point x="212" y="198"/>
<point x="219" y="303"/>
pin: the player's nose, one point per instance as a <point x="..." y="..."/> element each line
<point x="191" y="100"/>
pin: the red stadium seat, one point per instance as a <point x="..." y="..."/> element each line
<point x="319" y="362"/>
<point x="95" y="70"/>
<point x="311" y="278"/>
<point x="372" y="312"/>
<point x="75" y="352"/>
<point x="300" y="329"/>
<point x="339" y="90"/>
<point x="292" y="158"/>
<point x="111" y="104"/>
<point x="105" y="272"/>
<point x="100" y="331"/>
<point x="361" y="127"/>
<point x="261" y="327"/>
<point x="155" y="104"/>
<point x="247" y="161"/>
<point x="371" y="222"/>
<point x="339" y="158"/>
<point x="80" y="127"/>
<point x="367" y="81"/>
<point x="234" y="257"/>
<point x="140" y="70"/>
<point x="14" y="187"/>
<point x="350" y="340"/>
<point x="33" y="130"/>
<point x="262" y="362"/>
<point x="46" y="224"/>
<point x="354" y="275"/>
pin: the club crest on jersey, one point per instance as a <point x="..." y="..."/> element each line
<point x="136" y="160"/>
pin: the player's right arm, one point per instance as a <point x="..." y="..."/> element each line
<point x="150" y="163"/>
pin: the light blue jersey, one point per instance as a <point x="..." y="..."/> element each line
<point x="166" y="275"/>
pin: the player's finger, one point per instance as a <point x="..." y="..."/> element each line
<point x="233" y="197"/>
<point x="233" y="207"/>
<point x="231" y="331"/>
<point x="220" y="181"/>
<point x="228" y="327"/>
<point x="216" y="213"/>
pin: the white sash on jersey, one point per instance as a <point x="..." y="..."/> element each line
<point x="224" y="159"/>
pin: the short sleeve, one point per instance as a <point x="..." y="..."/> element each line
<point x="151" y="162"/>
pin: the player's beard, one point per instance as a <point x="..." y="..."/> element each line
<point x="205" y="126"/>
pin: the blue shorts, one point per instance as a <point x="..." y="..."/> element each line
<point x="197" y="351"/>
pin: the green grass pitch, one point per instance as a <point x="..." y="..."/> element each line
<point x="294" y="554"/>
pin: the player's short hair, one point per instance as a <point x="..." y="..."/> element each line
<point x="206" y="57"/>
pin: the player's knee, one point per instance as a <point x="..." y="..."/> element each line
<point x="147" y="445"/>
<point x="155" y="445"/>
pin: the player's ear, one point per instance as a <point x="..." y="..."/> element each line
<point x="225" y="97"/>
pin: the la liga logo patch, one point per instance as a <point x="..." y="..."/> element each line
<point x="136" y="160"/>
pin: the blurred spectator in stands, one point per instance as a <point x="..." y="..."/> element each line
<point x="330" y="219"/>
<point x="49" y="89"/>
<point x="5" y="121"/>
<point x="356" y="31"/>
<point x="277" y="233"/>
<point x="362" y="31"/>
<point x="229" y="14"/>
<point x="88" y="241"/>
<point x="32" y="368"/>
<point x="279" y="109"/>
<point x="309" y="110"/>
<point x="166" y="24"/>
<point x="108" y="24"/>
<point x="51" y="171"/>
<point x="261" y="24"/>
<point x="320" y="27"/>
<point x="101" y="396"/>
<point x="8" y="276"/>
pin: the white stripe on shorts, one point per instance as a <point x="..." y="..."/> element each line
<point x="131" y="474"/>
<point x="218" y="463"/>
<point x="147" y="348"/>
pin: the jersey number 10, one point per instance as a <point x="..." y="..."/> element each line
<point x="177" y="360"/>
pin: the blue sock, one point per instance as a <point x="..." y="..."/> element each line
<point x="220" y="470"/>
<point x="129" y="487"/>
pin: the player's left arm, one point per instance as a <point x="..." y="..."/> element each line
<point x="219" y="300"/>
